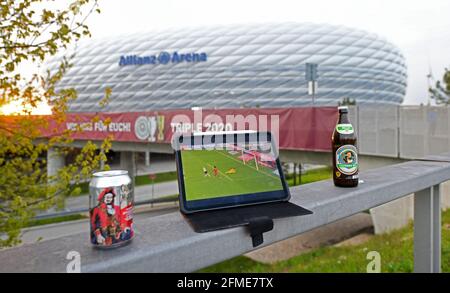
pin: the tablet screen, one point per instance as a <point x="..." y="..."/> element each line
<point x="229" y="173"/>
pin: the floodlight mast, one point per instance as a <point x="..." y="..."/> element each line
<point x="311" y="78"/>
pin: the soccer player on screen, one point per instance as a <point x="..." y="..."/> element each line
<point x="205" y="172"/>
<point x="215" y="171"/>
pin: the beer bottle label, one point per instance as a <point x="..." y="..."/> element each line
<point x="344" y="128"/>
<point x="347" y="159"/>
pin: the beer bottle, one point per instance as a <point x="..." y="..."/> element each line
<point x="345" y="153"/>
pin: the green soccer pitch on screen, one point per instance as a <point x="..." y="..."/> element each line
<point x="233" y="170"/>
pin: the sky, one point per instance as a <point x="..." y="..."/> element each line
<point x="420" y="29"/>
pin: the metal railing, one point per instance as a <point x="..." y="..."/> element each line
<point x="166" y="243"/>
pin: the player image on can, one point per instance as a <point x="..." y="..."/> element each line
<point x="111" y="213"/>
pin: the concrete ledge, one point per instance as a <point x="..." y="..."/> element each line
<point x="167" y="244"/>
<point x="326" y="235"/>
<point x="393" y="215"/>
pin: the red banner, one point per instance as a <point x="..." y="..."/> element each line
<point x="298" y="128"/>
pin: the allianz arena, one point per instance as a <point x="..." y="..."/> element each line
<point x="235" y="66"/>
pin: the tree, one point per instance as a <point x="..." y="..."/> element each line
<point x="440" y="92"/>
<point x="346" y="101"/>
<point x="31" y="31"/>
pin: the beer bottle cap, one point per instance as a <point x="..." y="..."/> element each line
<point x="343" y="109"/>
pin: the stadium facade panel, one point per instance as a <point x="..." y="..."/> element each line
<point x="235" y="66"/>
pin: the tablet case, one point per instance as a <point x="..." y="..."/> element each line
<point x="258" y="218"/>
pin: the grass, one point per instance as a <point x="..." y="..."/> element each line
<point x="170" y="197"/>
<point x="395" y="248"/>
<point x="140" y="180"/>
<point x="311" y="176"/>
<point x="233" y="177"/>
<point x="161" y="177"/>
<point x="39" y="222"/>
<point x="166" y="198"/>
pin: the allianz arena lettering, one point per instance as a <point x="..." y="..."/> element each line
<point x="163" y="58"/>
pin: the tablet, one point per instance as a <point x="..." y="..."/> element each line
<point x="228" y="169"/>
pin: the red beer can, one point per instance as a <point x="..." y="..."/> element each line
<point x="111" y="203"/>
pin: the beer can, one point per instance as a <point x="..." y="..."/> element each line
<point x="111" y="203"/>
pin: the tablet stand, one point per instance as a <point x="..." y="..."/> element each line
<point x="258" y="218"/>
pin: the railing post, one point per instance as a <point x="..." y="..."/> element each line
<point x="427" y="230"/>
<point x="437" y="227"/>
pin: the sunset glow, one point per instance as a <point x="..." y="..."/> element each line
<point x="17" y="108"/>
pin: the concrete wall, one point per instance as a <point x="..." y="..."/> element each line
<point x="55" y="161"/>
<point x="128" y="162"/>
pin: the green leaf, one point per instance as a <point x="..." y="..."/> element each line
<point x="36" y="33"/>
<point x="10" y="66"/>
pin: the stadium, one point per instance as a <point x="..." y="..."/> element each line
<point x="242" y="70"/>
<point x="235" y="66"/>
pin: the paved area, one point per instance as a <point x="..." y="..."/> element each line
<point x="160" y="166"/>
<point x="141" y="193"/>
<point x="52" y="231"/>
<point x="355" y="240"/>
<point x="305" y="167"/>
<point x="144" y="192"/>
